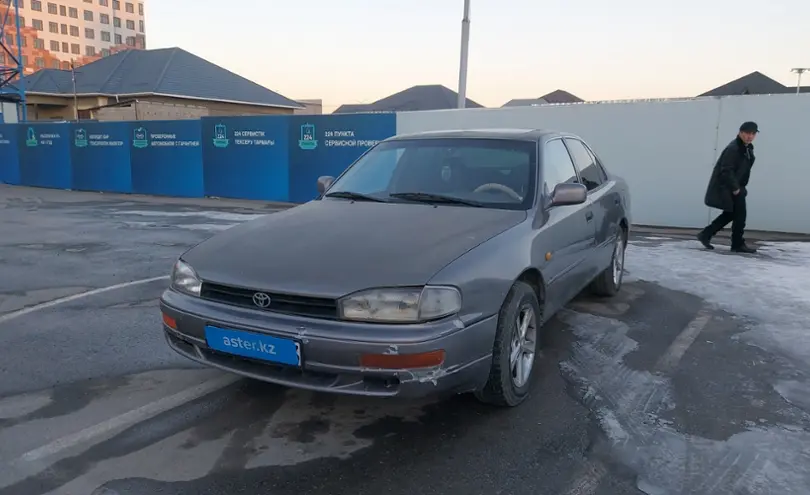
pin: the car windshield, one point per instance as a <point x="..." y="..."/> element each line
<point x="475" y="172"/>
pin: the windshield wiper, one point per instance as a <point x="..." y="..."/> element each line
<point x="354" y="195"/>
<point x="435" y="198"/>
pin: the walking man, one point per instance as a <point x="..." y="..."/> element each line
<point x="727" y="189"/>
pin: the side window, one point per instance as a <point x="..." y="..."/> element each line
<point x="589" y="171"/>
<point x="557" y="166"/>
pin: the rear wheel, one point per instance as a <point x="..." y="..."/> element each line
<point x="515" y="348"/>
<point x="609" y="282"/>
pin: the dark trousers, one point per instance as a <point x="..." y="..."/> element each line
<point x="737" y="218"/>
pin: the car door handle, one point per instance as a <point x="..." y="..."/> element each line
<point x="588" y="216"/>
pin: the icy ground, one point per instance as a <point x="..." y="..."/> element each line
<point x="770" y="293"/>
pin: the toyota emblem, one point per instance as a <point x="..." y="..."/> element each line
<point x="261" y="299"/>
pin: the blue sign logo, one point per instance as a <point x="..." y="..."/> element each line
<point x="139" y="139"/>
<point x="308" y="141"/>
<point x="220" y="136"/>
<point x="32" y="137"/>
<point x="80" y="138"/>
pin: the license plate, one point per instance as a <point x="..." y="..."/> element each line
<point x="254" y="345"/>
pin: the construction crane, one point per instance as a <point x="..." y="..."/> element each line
<point x="12" y="85"/>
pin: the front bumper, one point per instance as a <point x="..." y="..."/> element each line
<point x="331" y="350"/>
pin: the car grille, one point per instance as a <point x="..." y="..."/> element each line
<point x="315" y="307"/>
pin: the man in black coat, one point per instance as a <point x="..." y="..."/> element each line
<point x="727" y="189"/>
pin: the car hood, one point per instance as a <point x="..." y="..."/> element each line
<point x="331" y="248"/>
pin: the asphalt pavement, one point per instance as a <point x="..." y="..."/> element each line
<point x="92" y="401"/>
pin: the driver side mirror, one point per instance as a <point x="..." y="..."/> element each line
<point x="324" y="182"/>
<point x="567" y="194"/>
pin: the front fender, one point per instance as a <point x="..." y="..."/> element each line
<point x="486" y="273"/>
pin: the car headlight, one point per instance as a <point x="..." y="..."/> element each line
<point x="401" y="305"/>
<point x="185" y="280"/>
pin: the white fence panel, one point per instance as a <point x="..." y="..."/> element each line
<point x="666" y="150"/>
<point x="778" y="195"/>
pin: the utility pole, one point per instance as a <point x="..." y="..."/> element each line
<point x="465" y="49"/>
<point x="799" y="71"/>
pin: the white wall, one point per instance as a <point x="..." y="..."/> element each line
<point x="666" y="150"/>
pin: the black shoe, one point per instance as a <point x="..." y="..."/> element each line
<point x="704" y="239"/>
<point x="744" y="249"/>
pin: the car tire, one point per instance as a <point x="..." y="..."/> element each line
<point x="510" y="381"/>
<point x="609" y="282"/>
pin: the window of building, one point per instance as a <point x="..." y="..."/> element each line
<point x="23" y="41"/>
<point x="130" y="41"/>
<point x="129" y="7"/>
<point x="10" y="39"/>
<point x="37" y="24"/>
<point x="53" y="27"/>
<point x="105" y="52"/>
<point x="65" y="47"/>
<point x="62" y="10"/>
<point x="40" y="62"/>
<point x="104" y="18"/>
<point x="63" y="28"/>
<point x="117" y="39"/>
<point x="2" y="58"/>
<point x="21" y="3"/>
<point x="25" y="59"/>
<point x="75" y="48"/>
<point x="74" y="31"/>
<point x="54" y="64"/>
<point x="90" y="51"/>
<point x="22" y="21"/>
<point x="116" y="5"/>
<point x="36" y="5"/>
<point x="54" y="46"/>
<point x="105" y="36"/>
<point x="140" y="26"/>
<point x="39" y="43"/>
<point x="117" y="22"/>
<point x="52" y="8"/>
<point x="131" y="24"/>
<point x="73" y="12"/>
<point x="140" y="9"/>
<point x="103" y="3"/>
<point x="66" y="65"/>
<point x="88" y="15"/>
<point x="89" y="33"/>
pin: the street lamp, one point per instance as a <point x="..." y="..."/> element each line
<point x="465" y="49"/>
<point x="799" y="71"/>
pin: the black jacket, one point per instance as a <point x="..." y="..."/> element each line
<point x="731" y="172"/>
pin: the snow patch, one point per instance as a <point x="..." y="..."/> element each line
<point x="771" y="288"/>
<point x="628" y="404"/>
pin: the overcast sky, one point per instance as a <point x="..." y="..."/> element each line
<point x="357" y="51"/>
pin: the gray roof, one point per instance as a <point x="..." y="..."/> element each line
<point x="416" y="98"/>
<point x="164" y="72"/>
<point x="525" y="102"/>
<point x="755" y="83"/>
<point x="556" y="96"/>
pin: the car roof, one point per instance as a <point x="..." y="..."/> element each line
<point x="518" y="134"/>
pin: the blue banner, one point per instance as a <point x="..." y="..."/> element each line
<point x="166" y="158"/>
<point x="327" y="144"/>
<point x="100" y="153"/>
<point x="9" y="156"/>
<point x="246" y="157"/>
<point x="45" y="155"/>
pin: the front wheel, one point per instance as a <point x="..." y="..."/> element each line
<point x="609" y="282"/>
<point x="515" y="348"/>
